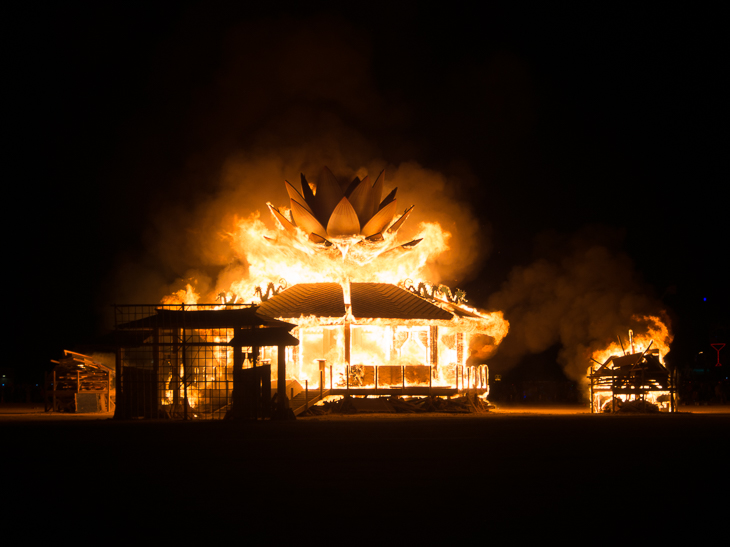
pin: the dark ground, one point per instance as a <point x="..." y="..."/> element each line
<point x="475" y="476"/>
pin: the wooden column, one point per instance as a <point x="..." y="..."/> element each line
<point x="434" y="348"/>
<point x="156" y="373"/>
<point x="283" y="400"/>
<point x="174" y="385"/>
<point x="347" y="343"/>
<point x="237" y="394"/>
<point x="118" y="409"/>
<point x="184" y="376"/>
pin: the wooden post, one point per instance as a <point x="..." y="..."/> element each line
<point x="118" y="409"/>
<point x="156" y="372"/>
<point x="434" y="346"/>
<point x="347" y="346"/>
<point x="237" y="394"/>
<point x="175" y="376"/>
<point x="184" y="376"/>
<point x="281" y="382"/>
<point x="592" y="407"/>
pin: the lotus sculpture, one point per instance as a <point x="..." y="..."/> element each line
<point x="335" y="212"/>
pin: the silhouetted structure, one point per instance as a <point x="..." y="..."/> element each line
<point x="192" y="361"/>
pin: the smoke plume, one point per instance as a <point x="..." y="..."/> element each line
<point x="580" y="293"/>
<point x="285" y="97"/>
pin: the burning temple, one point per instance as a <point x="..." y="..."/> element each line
<point x="351" y="315"/>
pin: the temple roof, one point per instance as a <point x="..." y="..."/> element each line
<point x="369" y="301"/>
<point x="319" y="299"/>
<point x="372" y="300"/>
<point x="204" y="319"/>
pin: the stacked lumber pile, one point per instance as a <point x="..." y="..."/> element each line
<point x="73" y="375"/>
<point x="351" y="405"/>
<point x="78" y="374"/>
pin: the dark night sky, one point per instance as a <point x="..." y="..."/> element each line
<point x="550" y="121"/>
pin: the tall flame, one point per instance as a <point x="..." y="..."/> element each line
<point x="289" y="254"/>
<point x="648" y="329"/>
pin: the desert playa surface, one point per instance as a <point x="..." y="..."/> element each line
<point x="500" y="469"/>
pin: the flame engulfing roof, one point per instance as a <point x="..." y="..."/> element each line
<point x="319" y="299"/>
<point x="369" y="300"/>
<point x="341" y="210"/>
<point x="373" y="300"/>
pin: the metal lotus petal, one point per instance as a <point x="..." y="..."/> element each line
<point x="347" y="210"/>
<point x="398" y="249"/>
<point x="343" y="222"/>
<point x="296" y="196"/>
<point x="381" y="220"/>
<point x="306" y="221"/>
<point x="328" y="196"/>
<point x="314" y="238"/>
<point x="374" y="196"/>
<point x="307" y="190"/>
<point x="359" y="198"/>
<point x="398" y="223"/>
<point x="351" y="187"/>
<point x="390" y="198"/>
<point x="285" y="222"/>
<point x="412" y="243"/>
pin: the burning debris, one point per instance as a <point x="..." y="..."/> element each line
<point x="398" y="405"/>
<point x="636" y="381"/>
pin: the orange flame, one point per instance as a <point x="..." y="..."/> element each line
<point x="650" y="329"/>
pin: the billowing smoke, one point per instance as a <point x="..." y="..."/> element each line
<point x="314" y="103"/>
<point x="579" y="293"/>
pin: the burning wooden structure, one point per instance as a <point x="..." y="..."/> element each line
<point x="345" y="289"/>
<point x="379" y="339"/>
<point x="637" y="380"/>
<point x="197" y="361"/>
<point x="366" y="328"/>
